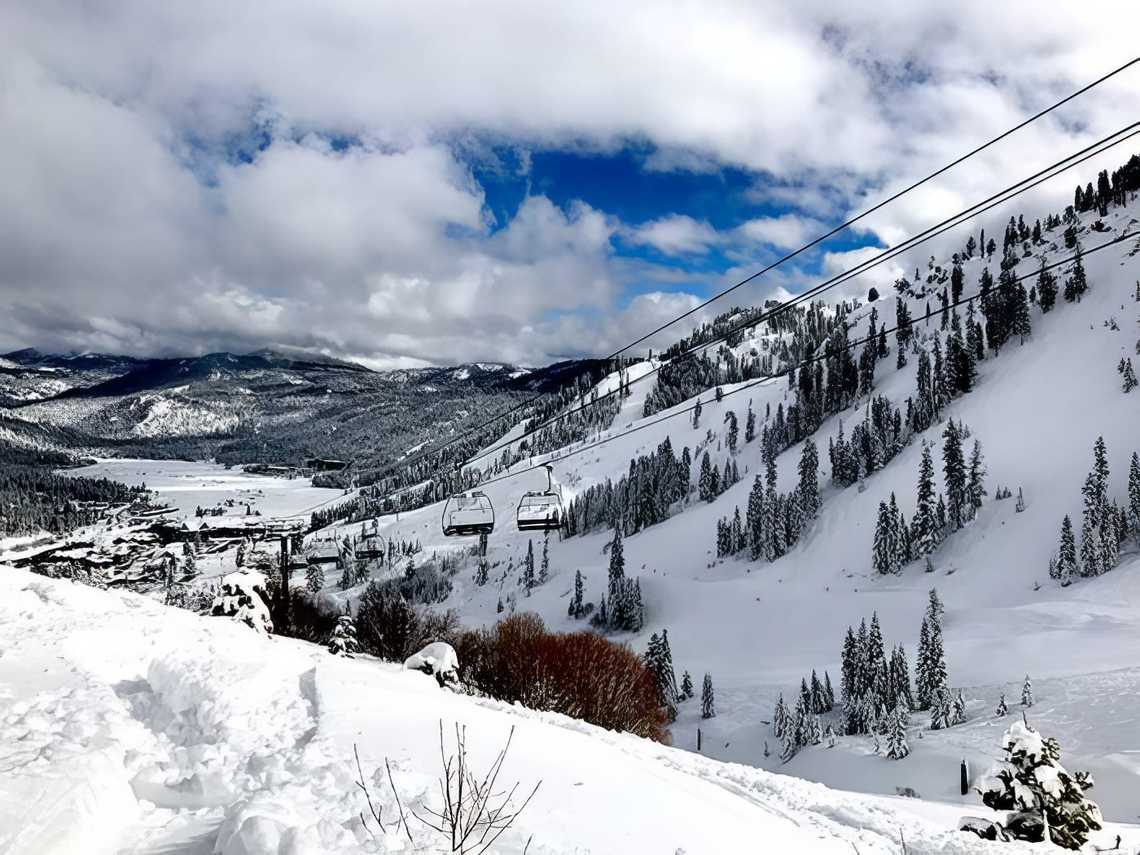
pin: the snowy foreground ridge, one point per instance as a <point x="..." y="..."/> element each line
<point x="130" y="727"/>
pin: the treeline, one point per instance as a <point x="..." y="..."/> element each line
<point x="800" y="330"/>
<point x="639" y="499"/>
<point x="936" y="517"/>
<point x="33" y="499"/>
<point x="1105" y="526"/>
<point x="773" y="521"/>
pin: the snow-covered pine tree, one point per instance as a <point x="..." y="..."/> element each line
<point x="1002" y="709"/>
<point x="900" y="691"/>
<point x="955" y="475"/>
<point x="314" y="578"/>
<point x="1065" y="565"/>
<point x="686" y="686"/>
<point x="1046" y="288"/>
<point x="708" y="700"/>
<point x="899" y="540"/>
<point x="976" y="488"/>
<point x="809" y="479"/>
<point x="1077" y="282"/>
<point x="1092" y="551"/>
<point x="635" y="615"/>
<point x="818" y="704"/>
<point x="576" y="604"/>
<point x="878" y="676"/>
<point x="1045" y="797"/>
<point x="343" y="642"/>
<point x="923" y="693"/>
<point x="189" y="560"/>
<point x="1022" y="327"/>
<point x="1128" y="380"/>
<point x="733" y="431"/>
<point x="750" y="424"/>
<point x="847" y="679"/>
<point x="934" y="607"/>
<point x="737" y="540"/>
<point x="1134" y="490"/>
<point x="1027" y="693"/>
<point x="941" y="708"/>
<point x="882" y="546"/>
<point x="668" y="676"/>
<point x="754" y="519"/>
<point x="705" y="488"/>
<point x="924" y="530"/>
<point x="347" y="576"/>
<point x="780" y="718"/>
<point x="697" y="414"/>
<point x="659" y="661"/>
<point x="897" y="745"/>
<point x="616" y="571"/>
<point x="828" y="693"/>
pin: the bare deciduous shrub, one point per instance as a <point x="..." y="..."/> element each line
<point x="578" y="674"/>
<point x="474" y="811"/>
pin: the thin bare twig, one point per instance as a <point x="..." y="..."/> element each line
<point x="367" y="796"/>
<point x="399" y="807"/>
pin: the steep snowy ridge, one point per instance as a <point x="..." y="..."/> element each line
<point x="759" y="627"/>
<point x="134" y="728"/>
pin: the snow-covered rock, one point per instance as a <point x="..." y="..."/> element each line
<point x="438" y="658"/>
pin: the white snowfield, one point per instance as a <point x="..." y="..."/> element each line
<point x="759" y="627"/>
<point x="130" y="727"/>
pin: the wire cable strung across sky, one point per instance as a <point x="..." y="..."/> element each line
<point x="805" y="362"/>
<point x="882" y="204"/>
<point x="427" y="453"/>
<point x="1124" y="134"/>
<point x="836" y="230"/>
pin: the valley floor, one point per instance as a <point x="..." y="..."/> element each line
<point x="188" y="485"/>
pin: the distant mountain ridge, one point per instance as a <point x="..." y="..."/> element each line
<point x="266" y="406"/>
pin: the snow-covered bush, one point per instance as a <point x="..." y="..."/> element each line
<point x="343" y="640"/>
<point x="193" y="598"/>
<point x="1034" y="784"/>
<point x="243" y="597"/>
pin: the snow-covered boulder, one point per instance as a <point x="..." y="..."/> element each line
<point x="986" y="829"/>
<point x="437" y="658"/>
<point x="243" y="597"/>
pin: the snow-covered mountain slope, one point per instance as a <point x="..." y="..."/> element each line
<point x="265" y="407"/>
<point x="759" y="627"/>
<point x="129" y="727"/>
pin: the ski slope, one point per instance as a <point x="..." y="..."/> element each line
<point x="758" y="628"/>
<point x="129" y="727"/>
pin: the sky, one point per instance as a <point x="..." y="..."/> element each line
<point x="405" y="184"/>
